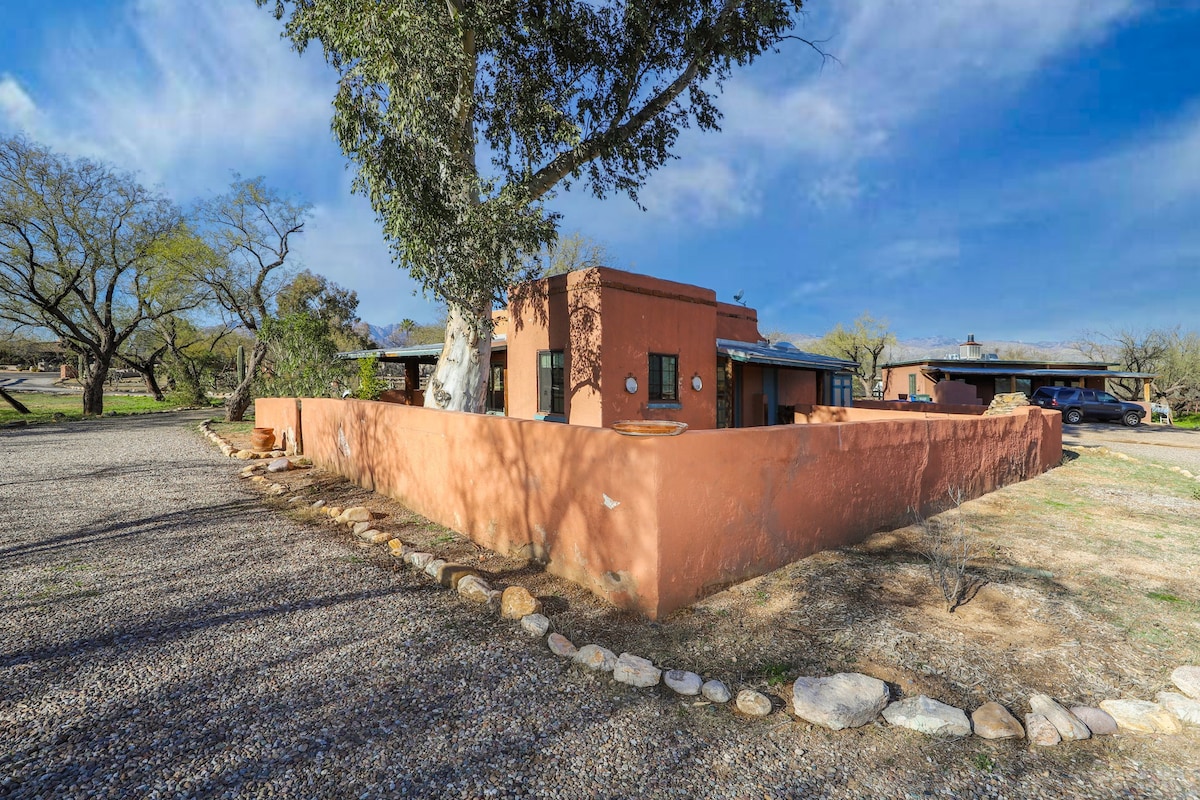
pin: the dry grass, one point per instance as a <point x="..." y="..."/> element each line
<point x="1089" y="572"/>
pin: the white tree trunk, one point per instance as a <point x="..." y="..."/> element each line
<point x="459" y="383"/>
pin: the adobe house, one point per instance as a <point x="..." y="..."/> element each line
<point x="974" y="377"/>
<point x="596" y="346"/>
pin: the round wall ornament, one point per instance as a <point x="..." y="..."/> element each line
<point x="697" y="384"/>
<point x="631" y="385"/>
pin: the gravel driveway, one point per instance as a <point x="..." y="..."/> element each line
<point x="164" y="635"/>
<point x="1162" y="443"/>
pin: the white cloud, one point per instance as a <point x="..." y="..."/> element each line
<point x="18" y="112"/>
<point x="907" y="256"/>
<point x="900" y="63"/>
<point x="708" y="191"/>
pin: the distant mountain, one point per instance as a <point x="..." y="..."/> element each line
<point x="386" y="335"/>
<point x="943" y="346"/>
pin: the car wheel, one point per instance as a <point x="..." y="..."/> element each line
<point x="1073" y="416"/>
<point x="1132" y="419"/>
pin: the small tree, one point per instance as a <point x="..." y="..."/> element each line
<point x="250" y="229"/>
<point x="370" y="385"/>
<point x="865" y="343"/>
<point x="301" y="358"/>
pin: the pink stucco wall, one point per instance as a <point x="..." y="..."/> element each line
<point x="654" y="523"/>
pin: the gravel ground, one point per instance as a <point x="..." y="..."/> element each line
<point x="1167" y="445"/>
<point x="163" y="634"/>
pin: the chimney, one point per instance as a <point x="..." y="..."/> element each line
<point x="970" y="349"/>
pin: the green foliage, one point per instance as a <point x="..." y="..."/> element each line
<point x="984" y="762"/>
<point x="370" y="385"/>
<point x="302" y="360"/>
<point x="322" y="298"/>
<point x="1191" y="421"/>
<point x="572" y="91"/>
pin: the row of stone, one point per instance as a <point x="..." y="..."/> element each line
<point x="845" y="700"/>
<point x="230" y="451"/>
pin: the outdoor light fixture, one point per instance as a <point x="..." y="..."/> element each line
<point x="631" y="385"/>
<point x="697" y="384"/>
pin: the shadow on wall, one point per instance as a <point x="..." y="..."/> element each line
<point x="654" y="523"/>
<point x="564" y="496"/>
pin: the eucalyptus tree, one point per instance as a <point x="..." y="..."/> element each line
<point x="557" y="92"/>
<point x="82" y="255"/>
<point x="250" y="230"/>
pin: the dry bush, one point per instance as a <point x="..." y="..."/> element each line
<point x="948" y="547"/>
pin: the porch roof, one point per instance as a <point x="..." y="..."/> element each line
<point x="416" y="351"/>
<point x="780" y="355"/>
<point x="1040" y="373"/>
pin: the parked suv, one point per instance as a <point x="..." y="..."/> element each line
<point x="1079" y="404"/>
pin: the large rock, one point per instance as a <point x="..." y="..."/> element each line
<point x="1041" y="731"/>
<point x="535" y="625"/>
<point x="1141" y="716"/>
<point x="356" y="514"/>
<point x="1069" y="726"/>
<point x="561" y="645"/>
<point x="593" y="656"/>
<point x="372" y="536"/>
<point x="1188" y="681"/>
<point x="517" y="602"/>
<point x="752" y="703"/>
<point x="992" y="721"/>
<point x="683" y="682"/>
<point x="359" y="527"/>
<point x="716" y="691"/>
<point x="1185" y="708"/>
<point x="419" y="560"/>
<point x="431" y="569"/>
<point x="926" y="715"/>
<point x="845" y="700"/>
<point x="1098" y="722"/>
<point x="475" y="589"/>
<point x="398" y="548"/>
<point x="279" y="465"/>
<point x="636" y="671"/>
<point x="450" y="575"/>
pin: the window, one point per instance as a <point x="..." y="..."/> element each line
<point x="550" y="382"/>
<point x="912" y="384"/>
<point x="495" y="392"/>
<point x="664" y="377"/>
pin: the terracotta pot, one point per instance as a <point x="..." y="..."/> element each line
<point x="262" y="439"/>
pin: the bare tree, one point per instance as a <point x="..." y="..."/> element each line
<point x="864" y="343"/>
<point x="250" y="230"/>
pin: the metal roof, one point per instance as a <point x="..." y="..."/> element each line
<point x="413" y="351"/>
<point x="938" y="363"/>
<point x="780" y="355"/>
<point x="1041" y="373"/>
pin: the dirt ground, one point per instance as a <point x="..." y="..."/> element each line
<point x="1086" y="578"/>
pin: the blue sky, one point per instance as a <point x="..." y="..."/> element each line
<point x="1019" y="169"/>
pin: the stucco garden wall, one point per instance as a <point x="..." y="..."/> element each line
<point x="654" y="523"/>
